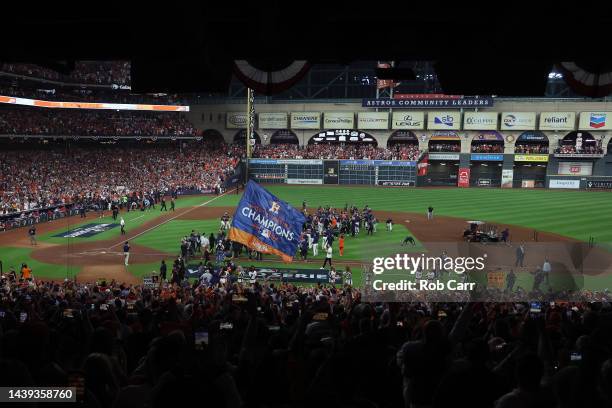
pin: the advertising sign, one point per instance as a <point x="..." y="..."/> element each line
<point x="532" y="136"/>
<point x="447" y="120"/>
<point x="443" y="156"/>
<point x="527" y="183"/>
<point x="557" y="120"/>
<point x="236" y="120"/>
<point x="408" y="120"/>
<point x="464" y="177"/>
<point x="87" y="230"/>
<point x="480" y="120"/>
<point x="338" y="120"/>
<point x="372" y="120"/>
<point x="556" y="183"/>
<point x="466" y="102"/>
<point x="518" y="121"/>
<point x="293" y="275"/>
<point x="595" y="121"/>
<point x="599" y="184"/>
<point x="330" y="171"/>
<point x="396" y="183"/>
<point x="305" y="120"/>
<point x="576" y="168"/>
<point x="507" y="178"/>
<point x="343" y="135"/>
<point x="487" y="157"/>
<point x="91" y="105"/>
<point x="272" y="120"/>
<point x="304" y="181"/>
<point x="489" y="136"/>
<point x="402" y="136"/>
<point x="426" y="96"/>
<point x="441" y="135"/>
<point x="542" y="158"/>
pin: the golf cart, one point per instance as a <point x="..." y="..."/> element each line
<point x="479" y="231"/>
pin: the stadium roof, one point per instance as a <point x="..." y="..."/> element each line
<point x="191" y="47"/>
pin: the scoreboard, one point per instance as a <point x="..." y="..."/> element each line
<point x="267" y="171"/>
<point x="368" y="172"/>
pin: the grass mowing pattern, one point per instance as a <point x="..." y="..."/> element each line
<point x="576" y="214"/>
<point x="166" y="238"/>
<point x="133" y="219"/>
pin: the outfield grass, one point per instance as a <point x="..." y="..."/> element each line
<point x="166" y="238"/>
<point x="133" y="219"/>
<point x="16" y="256"/>
<point x="576" y="214"/>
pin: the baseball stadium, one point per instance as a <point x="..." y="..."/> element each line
<point x="330" y="229"/>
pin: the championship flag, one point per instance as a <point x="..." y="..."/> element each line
<point x="266" y="224"/>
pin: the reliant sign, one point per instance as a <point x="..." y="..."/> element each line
<point x="557" y="120"/>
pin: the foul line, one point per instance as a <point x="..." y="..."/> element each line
<point x="169" y="219"/>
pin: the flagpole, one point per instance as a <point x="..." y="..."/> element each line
<point x="250" y="126"/>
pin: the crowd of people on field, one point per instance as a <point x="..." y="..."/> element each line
<point x="32" y="179"/>
<point x="84" y="72"/>
<point x="76" y="122"/>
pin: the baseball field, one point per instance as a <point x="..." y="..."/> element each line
<point x="91" y="248"/>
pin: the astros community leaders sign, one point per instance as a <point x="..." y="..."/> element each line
<point x="466" y="102"/>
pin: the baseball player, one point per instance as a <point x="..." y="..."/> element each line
<point x="32" y="235"/>
<point x="122" y="223"/>
<point x="225" y="225"/>
<point x="389" y="224"/>
<point x="126" y="253"/>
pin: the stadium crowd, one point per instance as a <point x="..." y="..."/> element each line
<point x="586" y="149"/>
<point x="531" y="148"/>
<point x="338" y="151"/>
<point x="67" y="122"/>
<point x="487" y="147"/>
<point x="91" y="95"/>
<point x="31" y="179"/>
<point x="444" y="147"/>
<point x="84" y="72"/>
<point x="275" y="344"/>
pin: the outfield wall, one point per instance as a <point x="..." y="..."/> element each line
<point x="343" y="172"/>
<point x="495" y="171"/>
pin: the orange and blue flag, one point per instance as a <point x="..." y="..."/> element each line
<point x="266" y="224"/>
